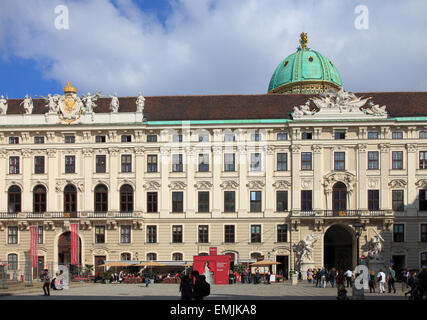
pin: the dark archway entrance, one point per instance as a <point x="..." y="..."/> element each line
<point x="338" y="248"/>
<point x="64" y="248"/>
<point x="339" y="197"/>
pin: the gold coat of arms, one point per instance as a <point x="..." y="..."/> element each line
<point x="70" y="106"/>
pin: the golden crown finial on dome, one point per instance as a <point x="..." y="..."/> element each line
<point x="69" y="88"/>
<point x="303" y="40"/>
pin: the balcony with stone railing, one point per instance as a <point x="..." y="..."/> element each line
<point x="341" y="214"/>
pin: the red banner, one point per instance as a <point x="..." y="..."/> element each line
<point x="74" y="243"/>
<point x="33" y="246"/>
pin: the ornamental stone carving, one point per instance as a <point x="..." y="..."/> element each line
<point x="51" y="153"/>
<point x="306" y="183"/>
<point x="255" y="184"/>
<point x="3" y="153"/>
<point x="89" y="152"/>
<point x="23" y="225"/>
<point x="282" y="184"/>
<point x="411" y="147"/>
<point x="229" y="184"/>
<point x="165" y="151"/>
<point x="1" y="226"/>
<point x="373" y="182"/>
<point x="422" y="183"/>
<point x="384" y="147"/>
<point x="217" y="149"/>
<point x="114" y="151"/>
<point x="177" y="185"/>
<point x="85" y="225"/>
<point x="137" y="225"/>
<point x="295" y="148"/>
<point x="152" y="185"/>
<point x="242" y="149"/>
<point x="397" y="183"/>
<point x="345" y="177"/>
<point x="112" y="225"/>
<point x="269" y="150"/>
<point x="316" y="148"/>
<point x="362" y="147"/>
<point x="203" y="185"/>
<point x="49" y="225"/>
<point x="139" y="151"/>
<point x="26" y="153"/>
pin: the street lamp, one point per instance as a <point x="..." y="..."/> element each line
<point x="358" y="228"/>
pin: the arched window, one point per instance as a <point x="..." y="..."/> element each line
<point x="101" y="198"/>
<point x="177" y="256"/>
<point x="70" y="198"/>
<point x="255" y="255"/>
<point x="203" y="254"/>
<point x="12" y="261"/>
<point x="125" y="256"/>
<point x="39" y="199"/>
<point x="126" y="198"/>
<point x="152" y="256"/>
<point x="14" y="197"/>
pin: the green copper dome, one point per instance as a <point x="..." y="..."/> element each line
<point x="305" y="71"/>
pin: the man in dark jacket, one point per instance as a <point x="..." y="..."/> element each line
<point x="199" y="288"/>
<point x="186" y="288"/>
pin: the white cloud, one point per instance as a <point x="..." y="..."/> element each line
<point x="215" y="47"/>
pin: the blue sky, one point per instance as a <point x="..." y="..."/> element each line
<point x="179" y="47"/>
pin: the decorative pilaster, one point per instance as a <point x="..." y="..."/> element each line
<point x="140" y="199"/>
<point x="317" y="175"/>
<point x="412" y="192"/>
<point x="269" y="172"/>
<point x="385" y="167"/>
<point x="217" y="167"/>
<point x="114" y="169"/>
<point x="243" y="172"/>
<point x="296" y="180"/>
<point x="164" y="208"/>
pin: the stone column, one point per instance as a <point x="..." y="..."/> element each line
<point x="3" y="173"/>
<point x="362" y="190"/>
<point x="165" y="195"/>
<point x="89" y="204"/>
<point x="411" y="164"/>
<point x="317" y="176"/>
<point x="296" y="180"/>
<point x="114" y="204"/>
<point x="216" y="189"/>
<point x="385" y="167"/>
<point x="140" y="196"/>
<point x="27" y="195"/>
<point x="269" y="172"/>
<point x="191" y="203"/>
<point x="243" y="172"/>
<point x="52" y="171"/>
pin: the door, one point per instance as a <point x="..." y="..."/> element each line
<point x="283" y="267"/>
<point x="40" y="267"/>
<point x="398" y="266"/>
<point x="99" y="271"/>
<point x="339" y="197"/>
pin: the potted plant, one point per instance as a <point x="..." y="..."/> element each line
<point x="106" y="276"/>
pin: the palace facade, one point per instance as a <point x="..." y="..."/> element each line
<point x="165" y="178"/>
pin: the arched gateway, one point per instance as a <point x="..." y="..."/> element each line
<point x="64" y="248"/>
<point x="339" y="244"/>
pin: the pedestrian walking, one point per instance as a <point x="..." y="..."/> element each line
<point x="349" y="275"/>
<point x="323" y="277"/>
<point x="309" y="275"/>
<point x="371" y="281"/>
<point x="391" y="279"/>
<point x="332" y="276"/>
<point x="406" y="275"/>
<point x="381" y="280"/>
<point x="46" y="282"/>
<point x="186" y="288"/>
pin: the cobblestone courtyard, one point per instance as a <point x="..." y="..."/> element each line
<point x="279" y="291"/>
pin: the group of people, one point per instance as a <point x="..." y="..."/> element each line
<point x="125" y="277"/>
<point x="194" y="286"/>
<point x="320" y="277"/>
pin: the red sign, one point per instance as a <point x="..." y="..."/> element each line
<point x="75" y="243"/>
<point x="215" y="266"/>
<point x="213" y="251"/>
<point x="33" y="246"/>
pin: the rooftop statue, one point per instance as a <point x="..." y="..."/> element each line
<point x="3" y="105"/>
<point x="140" y="103"/>
<point x="302" y="110"/>
<point x="28" y="104"/>
<point x="375" y="109"/>
<point x="114" y="105"/>
<point x="89" y="100"/>
<point x="52" y="102"/>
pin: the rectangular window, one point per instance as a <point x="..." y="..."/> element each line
<point x="306" y="163"/>
<point x="397" y="200"/>
<point x="203" y="201"/>
<point x="423" y="160"/>
<point x="229" y="201"/>
<point x="397" y="160"/>
<point x="151" y="202"/>
<point x="282" y="136"/>
<point x="99" y="234"/>
<point x="38" y="140"/>
<point x="177" y="234"/>
<point x="373" y="200"/>
<point x="229" y="137"/>
<point x="100" y="139"/>
<point x="397" y="135"/>
<point x="256" y="201"/>
<point x="255" y="161"/>
<point x="126" y="138"/>
<point x="14" y="165"/>
<point x="373" y="160"/>
<point x="152" y="163"/>
<point x="177" y="138"/>
<point x="422" y="200"/>
<point x="282" y="233"/>
<point x="255" y="137"/>
<point x="101" y="163"/>
<point x="306" y="135"/>
<point x="70" y="164"/>
<point x="423" y="229"/>
<point x="229" y="234"/>
<point x="339" y="134"/>
<point x="177" y="202"/>
<point x="203" y="137"/>
<point x="39" y="164"/>
<point x="13" y="140"/>
<point x="372" y="135"/>
<point x="229" y="162"/>
<point x="256" y="233"/>
<point x="70" y="139"/>
<point x="281" y="201"/>
<point x="423" y="134"/>
<point x="151" y="234"/>
<point x="152" y="138"/>
<point x="203" y="234"/>
<point x="204" y="162"/>
<point x="126" y="163"/>
<point x="12" y="261"/>
<point x="40" y="235"/>
<point x="125" y="233"/>
<point x="177" y="163"/>
<point x="282" y="162"/>
<point x="398" y="233"/>
<point x="339" y="160"/>
<point x="306" y="200"/>
<point x="12" y="235"/>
